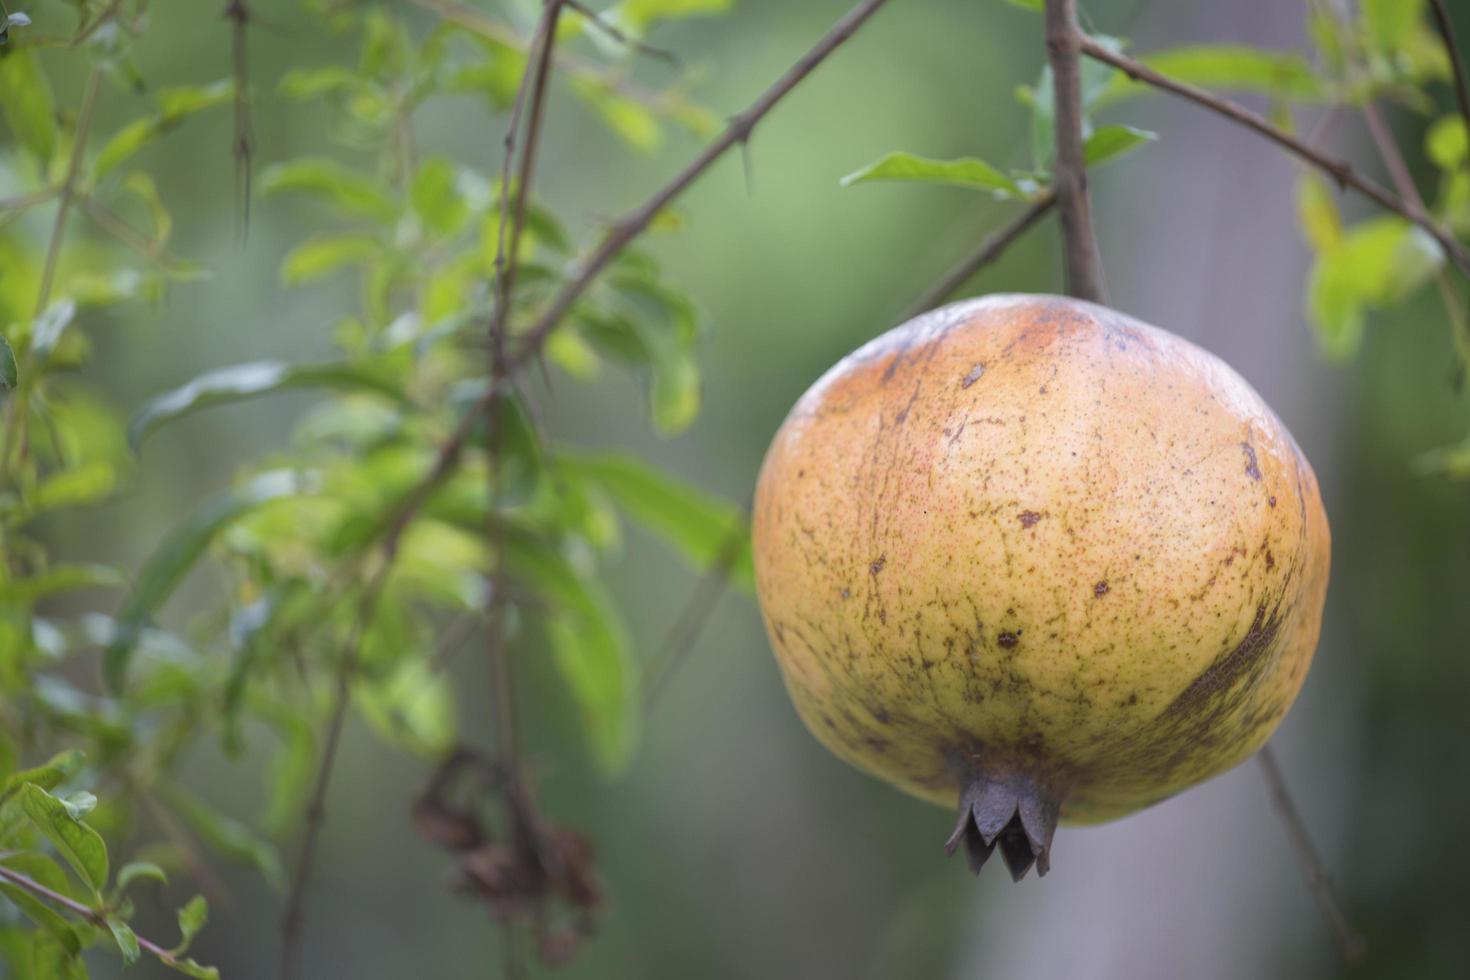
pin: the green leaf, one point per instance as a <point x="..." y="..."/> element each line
<point x="9" y="374"/>
<point x="413" y="707"/>
<point x="707" y="531"/>
<point x="1377" y="263"/>
<point x="44" y="871"/>
<point x="59" y="578"/>
<point x="1446" y="142"/>
<point x="192" y="918"/>
<point x="436" y="198"/>
<point x="1449" y="461"/>
<point x="174" y="106"/>
<point x="1317" y="212"/>
<point x="1110" y="142"/>
<point x="589" y="644"/>
<point x="127" y="942"/>
<point x="1225" y="66"/>
<point x="78" y="843"/>
<point x="347" y="191"/>
<point x="135" y="870"/>
<point x="52" y="959"/>
<point x="1389" y="22"/>
<point x="181" y="548"/>
<point x="57" y="770"/>
<point x="27" y="106"/>
<point x="1035" y="5"/>
<point x="227" y="836"/>
<point x="243" y="381"/>
<point x="192" y="969"/>
<point x="966" y="172"/>
<point x="325" y="254"/>
<point x="638" y="15"/>
<point x="311" y="83"/>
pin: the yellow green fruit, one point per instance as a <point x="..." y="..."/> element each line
<point x="1030" y="555"/>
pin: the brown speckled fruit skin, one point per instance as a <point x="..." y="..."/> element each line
<point x="1030" y="536"/>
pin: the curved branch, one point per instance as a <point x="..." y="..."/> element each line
<point x="1340" y="170"/>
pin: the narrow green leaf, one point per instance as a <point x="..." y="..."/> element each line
<point x="127" y="941"/>
<point x="324" y="254"/>
<point x="9" y="374"/>
<point x="1110" y="142"/>
<point x="1388" y="22"/>
<point x="436" y="198"/>
<point x="192" y="918"/>
<point x="78" y="843"/>
<point x="44" y="871"/>
<point x="639" y="15"/>
<point x="135" y="870"/>
<point x="244" y="381"/>
<point x="174" y="106"/>
<point x="413" y="707"/>
<point x="57" y="770"/>
<point x="27" y="105"/>
<point x="347" y="191"/>
<point x="47" y="328"/>
<point x="1317" y="213"/>
<point x="1446" y="142"/>
<point x="589" y="643"/>
<point x="1448" y="461"/>
<point x="227" y="836"/>
<point x="1377" y="263"/>
<point x="190" y="968"/>
<point x="181" y="548"/>
<point x="52" y="959"/>
<point x="1033" y="5"/>
<point x="704" y="529"/>
<point x="966" y="172"/>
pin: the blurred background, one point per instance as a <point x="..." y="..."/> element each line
<point x="737" y="847"/>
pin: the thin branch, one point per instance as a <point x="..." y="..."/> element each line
<point x="1349" y="942"/>
<point x="1447" y="32"/>
<point x="633" y="224"/>
<point x="91" y="915"/>
<point x="1340" y="170"/>
<point x="23" y="201"/>
<point x="68" y="188"/>
<point x="689" y="624"/>
<point x="1398" y="171"/>
<point x="1079" y="241"/>
<point x="238" y="13"/>
<point x="294" y="918"/>
<point x="620" y="36"/>
<point x="623" y="232"/>
<point x="478" y="22"/>
<point x="988" y="251"/>
<point x="531" y="98"/>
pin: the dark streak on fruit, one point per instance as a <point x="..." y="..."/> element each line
<point x="1252" y="465"/>
<point x="1029" y="518"/>
<point x="973" y="376"/>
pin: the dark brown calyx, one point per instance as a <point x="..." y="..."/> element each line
<point x="1013" y="814"/>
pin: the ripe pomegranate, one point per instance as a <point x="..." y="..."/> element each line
<point x="1033" y="556"/>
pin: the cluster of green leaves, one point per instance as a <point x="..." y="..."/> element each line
<point x="1388" y="52"/>
<point x="296" y="539"/>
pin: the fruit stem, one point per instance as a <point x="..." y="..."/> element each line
<point x="1012" y="811"/>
